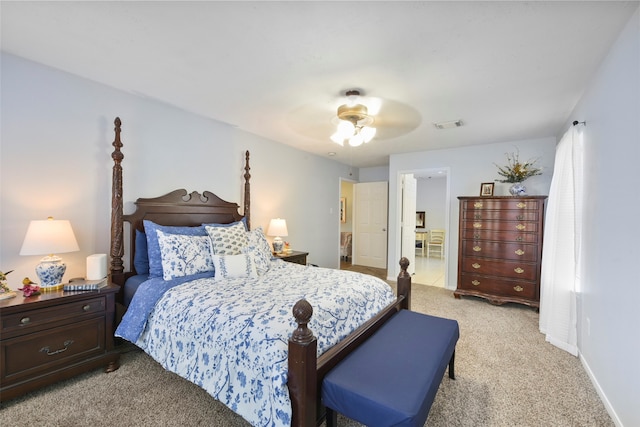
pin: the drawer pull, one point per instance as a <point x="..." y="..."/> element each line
<point x="475" y="265"/>
<point x="475" y="282"/>
<point x="519" y="239"/>
<point x="25" y="320"/>
<point x="477" y="205"/>
<point x="520" y="217"/>
<point x="519" y="252"/>
<point x="477" y="225"/>
<point x="518" y="270"/>
<point x="477" y="248"/>
<point x="477" y="216"/>
<point x="521" y="226"/>
<point x="86" y="307"/>
<point x="67" y="343"/>
<point x="518" y="288"/>
<point x="521" y="205"/>
<point x="476" y="236"/>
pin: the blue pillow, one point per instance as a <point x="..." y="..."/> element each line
<point x="141" y="257"/>
<point x="153" y="246"/>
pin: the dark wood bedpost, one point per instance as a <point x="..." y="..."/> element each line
<point x="117" y="244"/>
<point x="302" y="381"/>
<point x="404" y="283"/>
<point x="247" y="190"/>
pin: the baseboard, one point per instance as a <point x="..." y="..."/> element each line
<point x="603" y="397"/>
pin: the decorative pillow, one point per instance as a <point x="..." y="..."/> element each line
<point x="259" y="249"/>
<point x="153" y="247"/>
<point x="234" y="266"/>
<point x="141" y="257"/>
<point x="228" y="239"/>
<point x="184" y="255"/>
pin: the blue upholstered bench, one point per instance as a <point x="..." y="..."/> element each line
<point x="393" y="377"/>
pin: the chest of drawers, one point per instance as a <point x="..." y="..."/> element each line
<point x="53" y="336"/>
<point x="500" y="248"/>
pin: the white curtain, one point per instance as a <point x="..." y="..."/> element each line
<point x="560" y="280"/>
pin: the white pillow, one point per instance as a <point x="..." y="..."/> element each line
<point x="234" y="266"/>
<point x="184" y="255"/>
<point x="259" y="249"/>
<point x="227" y="240"/>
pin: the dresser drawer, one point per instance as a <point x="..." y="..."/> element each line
<point x="500" y="204"/>
<point x="507" y="215"/>
<point x="514" y="251"/>
<point x="516" y="226"/>
<point x="30" y="320"/>
<point x="502" y="236"/>
<point x="496" y="286"/>
<point x="496" y="267"/>
<point x="26" y="355"/>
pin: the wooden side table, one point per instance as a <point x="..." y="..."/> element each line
<point x="295" y="257"/>
<point x="54" y="336"/>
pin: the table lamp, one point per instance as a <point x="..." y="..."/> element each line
<point x="48" y="237"/>
<point x="277" y="228"/>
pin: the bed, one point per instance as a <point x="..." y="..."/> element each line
<point x="257" y="333"/>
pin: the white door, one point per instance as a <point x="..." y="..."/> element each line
<point x="408" y="236"/>
<point x="370" y="224"/>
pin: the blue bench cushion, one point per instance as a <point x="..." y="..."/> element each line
<point x="393" y="377"/>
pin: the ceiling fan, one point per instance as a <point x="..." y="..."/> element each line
<point x="354" y="118"/>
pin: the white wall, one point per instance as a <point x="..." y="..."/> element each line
<point x="610" y="295"/>
<point x="431" y="198"/>
<point x="467" y="167"/>
<point x="55" y="161"/>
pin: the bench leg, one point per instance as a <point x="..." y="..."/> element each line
<point x="452" y="374"/>
<point x="332" y="417"/>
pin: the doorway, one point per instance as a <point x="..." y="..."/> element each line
<point x="432" y="198"/>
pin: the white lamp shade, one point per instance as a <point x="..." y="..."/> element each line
<point x="278" y="228"/>
<point x="49" y="237"/>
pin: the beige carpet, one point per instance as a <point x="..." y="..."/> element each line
<point x="507" y="375"/>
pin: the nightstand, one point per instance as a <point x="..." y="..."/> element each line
<point x="294" y="257"/>
<point x="54" y="336"/>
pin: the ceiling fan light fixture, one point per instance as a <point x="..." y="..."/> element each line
<point x="354" y="123"/>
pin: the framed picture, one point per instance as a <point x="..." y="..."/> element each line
<point x="486" y="189"/>
<point x="420" y="219"/>
<point x="343" y="209"/>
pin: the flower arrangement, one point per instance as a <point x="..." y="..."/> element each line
<point x="517" y="171"/>
<point x="5" y="291"/>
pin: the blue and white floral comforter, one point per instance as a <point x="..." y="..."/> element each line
<point x="231" y="337"/>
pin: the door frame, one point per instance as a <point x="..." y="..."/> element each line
<point x="447" y="219"/>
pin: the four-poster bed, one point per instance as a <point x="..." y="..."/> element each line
<point x="303" y="369"/>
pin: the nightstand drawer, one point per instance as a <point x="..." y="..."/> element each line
<point x="29" y="354"/>
<point x="31" y="319"/>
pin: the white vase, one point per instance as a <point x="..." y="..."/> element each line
<point x="518" y="189"/>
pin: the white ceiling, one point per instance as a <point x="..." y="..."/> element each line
<point x="509" y="70"/>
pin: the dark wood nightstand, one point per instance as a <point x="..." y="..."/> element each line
<point x="294" y="257"/>
<point x="54" y="336"/>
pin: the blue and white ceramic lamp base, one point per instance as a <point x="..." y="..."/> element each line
<point x="50" y="272"/>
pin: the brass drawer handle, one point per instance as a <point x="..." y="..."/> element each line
<point x="477" y="216"/>
<point x="477" y="248"/>
<point x="67" y="343"/>
<point x="475" y="282"/>
<point x="521" y="227"/>
<point x="477" y="225"/>
<point x="520" y="217"/>
<point x="518" y="288"/>
<point x="86" y="307"/>
<point x="521" y="205"/>
<point x="518" y="270"/>
<point x="25" y="320"/>
<point x="477" y="205"/>
<point x="475" y="265"/>
<point x="519" y="252"/>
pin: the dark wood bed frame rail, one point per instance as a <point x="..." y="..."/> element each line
<point x="306" y="370"/>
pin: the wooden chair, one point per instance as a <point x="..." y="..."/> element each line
<point x="436" y="242"/>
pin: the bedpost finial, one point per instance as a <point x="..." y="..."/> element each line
<point x="117" y="122"/>
<point x="302" y="311"/>
<point x="404" y="264"/>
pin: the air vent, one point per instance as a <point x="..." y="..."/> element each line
<point x="448" y="125"/>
